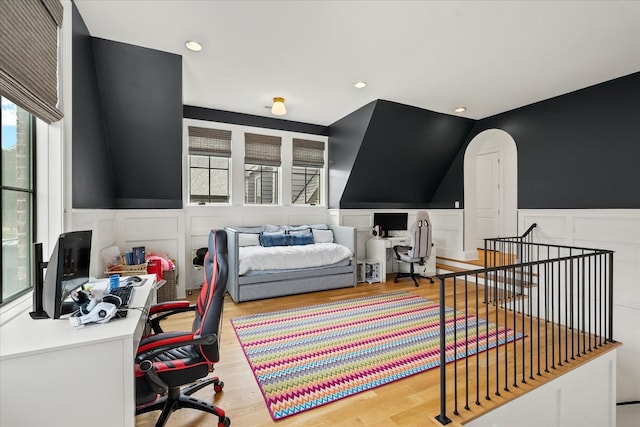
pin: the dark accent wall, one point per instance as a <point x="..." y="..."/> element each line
<point x="92" y="177"/>
<point x="403" y="155"/>
<point x="127" y="120"/>
<point x="579" y="150"/>
<point x="212" y="115"/>
<point x="141" y="96"/>
<point x="345" y="139"/>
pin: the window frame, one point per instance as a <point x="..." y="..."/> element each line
<point x="32" y="215"/>
<point x="277" y="170"/>
<point x="215" y="132"/>
<point x="308" y="155"/>
<point x="210" y="168"/>
<point x="269" y="147"/>
<point x="320" y="173"/>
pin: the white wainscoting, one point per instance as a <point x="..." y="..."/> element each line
<point x="158" y="231"/>
<point x="583" y="397"/>
<point x="612" y="229"/>
<point x="104" y="229"/>
<point x="448" y="233"/>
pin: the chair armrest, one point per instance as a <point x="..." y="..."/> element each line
<point x="155" y="344"/>
<point x="397" y="247"/>
<point x="169" y="306"/>
<point x="159" y="312"/>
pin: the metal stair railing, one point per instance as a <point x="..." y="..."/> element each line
<point x="567" y="315"/>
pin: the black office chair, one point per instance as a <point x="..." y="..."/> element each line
<point x="420" y="249"/>
<point x="166" y="361"/>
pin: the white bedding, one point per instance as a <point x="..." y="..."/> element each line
<point x="253" y="258"/>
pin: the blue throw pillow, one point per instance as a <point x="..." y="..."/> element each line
<point x="301" y="239"/>
<point x="274" y="239"/>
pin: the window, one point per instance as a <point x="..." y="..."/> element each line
<point x="261" y="168"/>
<point x="306" y="172"/>
<point x="18" y="141"/>
<point x="209" y="157"/>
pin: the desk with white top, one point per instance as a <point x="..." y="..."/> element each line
<point x="381" y="249"/>
<point x="52" y="374"/>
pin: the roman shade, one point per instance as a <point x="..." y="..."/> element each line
<point x="262" y="149"/>
<point x="209" y="142"/>
<point x="307" y="153"/>
<point x="29" y="55"/>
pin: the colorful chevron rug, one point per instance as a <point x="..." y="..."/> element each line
<point x="306" y="357"/>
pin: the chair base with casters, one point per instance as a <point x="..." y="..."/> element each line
<point x="177" y="398"/>
<point x="411" y="274"/>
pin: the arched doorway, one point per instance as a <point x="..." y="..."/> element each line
<point x="490" y="188"/>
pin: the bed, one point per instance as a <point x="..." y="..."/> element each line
<point x="270" y="261"/>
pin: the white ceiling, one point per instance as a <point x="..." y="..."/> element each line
<point x="490" y="56"/>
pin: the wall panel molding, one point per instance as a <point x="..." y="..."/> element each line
<point x="612" y="229"/>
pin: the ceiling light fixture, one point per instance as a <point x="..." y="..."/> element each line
<point x="278" y="107"/>
<point x="360" y="85"/>
<point x="193" y="45"/>
<point x="460" y="109"/>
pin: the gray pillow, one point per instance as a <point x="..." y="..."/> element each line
<point x="274" y="228"/>
<point x="299" y="232"/>
<point x="322" y="236"/>
<point x="255" y="230"/>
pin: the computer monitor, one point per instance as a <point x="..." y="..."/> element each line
<point x="67" y="270"/>
<point x="390" y="221"/>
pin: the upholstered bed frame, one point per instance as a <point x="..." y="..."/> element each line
<point x="253" y="287"/>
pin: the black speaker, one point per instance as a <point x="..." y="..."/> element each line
<point x="38" y="267"/>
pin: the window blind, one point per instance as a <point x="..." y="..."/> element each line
<point x="262" y="149"/>
<point x="307" y="153"/>
<point x="209" y="142"/>
<point x="29" y="55"/>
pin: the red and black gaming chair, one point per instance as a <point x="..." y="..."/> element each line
<point x="166" y="361"/>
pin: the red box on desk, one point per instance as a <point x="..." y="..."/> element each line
<point x="155" y="267"/>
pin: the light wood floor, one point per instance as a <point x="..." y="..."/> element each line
<point x="413" y="401"/>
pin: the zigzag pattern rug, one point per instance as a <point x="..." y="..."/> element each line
<point x="306" y="357"/>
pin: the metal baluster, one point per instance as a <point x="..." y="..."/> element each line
<point x="442" y="418"/>
<point x="478" y="345"/>
<point x="455" y="348"/>
<point x="466" y="341"/>
<point x="552" y="309"/>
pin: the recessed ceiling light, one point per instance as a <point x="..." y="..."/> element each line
<point x="460" y="109"/>
<point x="193" y="45"/>
<point x="360" y="85"/>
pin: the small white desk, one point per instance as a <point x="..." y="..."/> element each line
<point x="381" y="249"/>
<point x="53" y="374"/>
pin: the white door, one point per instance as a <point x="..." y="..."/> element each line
<point x="488" y="199"/>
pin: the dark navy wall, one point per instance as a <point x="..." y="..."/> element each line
<point x="403" y="156"/>
<point x="92" y="177"/>
<point x="141" y="97"/>
<point x="345" y="139"/>
<point x="579" y="150"/>
<point x="127" y="124"/>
